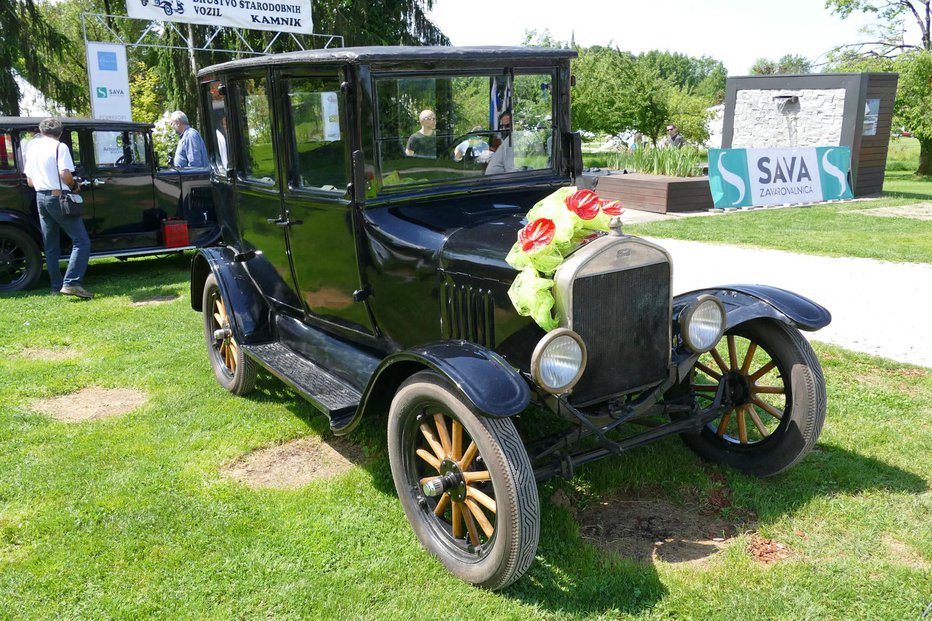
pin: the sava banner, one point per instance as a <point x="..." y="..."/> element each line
<point x="109" y="81"/>
<point x="278" y="15"/>
<point x="760" y="177"/>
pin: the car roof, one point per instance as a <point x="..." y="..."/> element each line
<point x="396" y="54"/>
<point x="32" y="122"/>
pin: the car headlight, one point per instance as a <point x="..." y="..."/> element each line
<point x="702" y="323"/>
<point x="558" y="361"/>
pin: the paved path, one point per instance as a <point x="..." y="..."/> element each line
<point x="877" y="307"/>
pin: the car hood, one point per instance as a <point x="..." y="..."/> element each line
<point x="479" y="250"/>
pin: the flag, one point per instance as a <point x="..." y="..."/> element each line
<point x="498" y="103"/>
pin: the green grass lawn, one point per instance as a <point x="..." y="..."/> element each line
<point x="833" y="229"/>
<point x="129" y="518"/>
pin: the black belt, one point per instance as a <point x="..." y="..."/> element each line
<point x="44" y="191"/>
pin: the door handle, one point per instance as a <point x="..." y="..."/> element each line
<point x="283" y="221"/>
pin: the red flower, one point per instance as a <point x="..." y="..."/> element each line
<point x="613" y="208"/>
<point x="584" y="203"/>
<point x="537" y="234"/>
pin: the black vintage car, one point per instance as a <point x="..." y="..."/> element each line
<point x="376" y="285"/>
<point x="129" y="203"/>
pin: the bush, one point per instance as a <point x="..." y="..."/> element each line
<point x="683" y="162"/>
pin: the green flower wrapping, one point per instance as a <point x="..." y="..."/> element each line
<point x="556" y="226"/>
<point x="532" y="296"/>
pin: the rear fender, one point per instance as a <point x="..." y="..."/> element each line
<point x="493" y="387"/>
<point x="251" y="317"/>
<point x="746" y="302"/>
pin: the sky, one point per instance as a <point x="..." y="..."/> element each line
<point x="736" y="32"/>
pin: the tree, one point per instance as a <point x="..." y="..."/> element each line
<point x="913" y="106"/>
<point x="703" y="76"/>
<point x="32" y="48"/>
<point x="600" y="87"/>
<point x="895" y="17"/>
<point x="789" y="64"/>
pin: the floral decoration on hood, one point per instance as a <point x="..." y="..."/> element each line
<point x="557" y="225"/>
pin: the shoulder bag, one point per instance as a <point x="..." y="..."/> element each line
<point x="69" y="206"/>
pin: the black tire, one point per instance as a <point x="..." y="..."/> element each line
<point x="496" y="547"/>
<point x="233" y="369"/>
<point x="781" y="389"/>
<point x="20" y="260"/>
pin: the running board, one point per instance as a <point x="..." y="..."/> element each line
<point x="325" y="391"/>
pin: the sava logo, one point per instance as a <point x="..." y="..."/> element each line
<point x="103" y="92"/>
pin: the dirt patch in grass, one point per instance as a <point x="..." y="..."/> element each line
<point x="654" y="529"/>
<point x="767" y="550"/>
<point x="905" y="555"/>
<point x="91" y="404"/>
<point x="295" y="463"/>
<point x="51" y="354"/>
<point x="157" y="299"/>
<point x="918" y="211"/>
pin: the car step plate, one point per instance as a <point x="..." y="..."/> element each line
<point x="325" y="390"/>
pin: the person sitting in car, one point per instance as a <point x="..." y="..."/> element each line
<point x="474" y="147"/>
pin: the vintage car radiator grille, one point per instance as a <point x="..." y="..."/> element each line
<point x="467" y="313"/>
<point x="624" y="319"/>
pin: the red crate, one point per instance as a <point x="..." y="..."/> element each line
<point x="174" y="233"/>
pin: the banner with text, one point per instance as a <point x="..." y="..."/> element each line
<point x="109" y="80"/>
<point x="761" y="177"/>
<point x="278" y="15"/>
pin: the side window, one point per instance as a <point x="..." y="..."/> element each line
<point x="120" y="149"/>
<point x="71" y="139"/>
<point x="317" y="133"/>
<point x="140" y="154"/>
<point x="7" y="158"/>
<point x="255" y="130"/>
<point x="219" y="133"/>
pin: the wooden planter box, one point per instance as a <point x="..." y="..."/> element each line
<point x="656" y="193"/>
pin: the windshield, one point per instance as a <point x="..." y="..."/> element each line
<point x="442" y="128"/>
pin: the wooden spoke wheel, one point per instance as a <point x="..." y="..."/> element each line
<point x="20" y="260"/>
<point x="233" y="369"/>
<point x="777" y="394"/>
<point x="465" y="483"/>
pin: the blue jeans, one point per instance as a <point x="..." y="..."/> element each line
<point x="53" y="223"/>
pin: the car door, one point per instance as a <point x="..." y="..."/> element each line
<point x="321" y="225"/>
<point x="125" y="214"/>
<point x="13" y="189"/>
<point x="257" y="189"/>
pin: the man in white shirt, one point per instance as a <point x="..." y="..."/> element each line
<point x="49" y="169"/>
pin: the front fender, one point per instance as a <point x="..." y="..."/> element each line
<point x="250" y="315"/>
<point x="746" y="302"/>
<point x="492" y="386"/>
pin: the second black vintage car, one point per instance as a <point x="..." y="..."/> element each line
<point x="132" y="207"/>
<point x="375" y="283"/>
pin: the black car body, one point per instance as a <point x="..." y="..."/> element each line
<point x="127" y="198"/>
<point x="376" y="283"/>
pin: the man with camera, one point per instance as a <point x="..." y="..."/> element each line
<point x="49" y="169"/>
